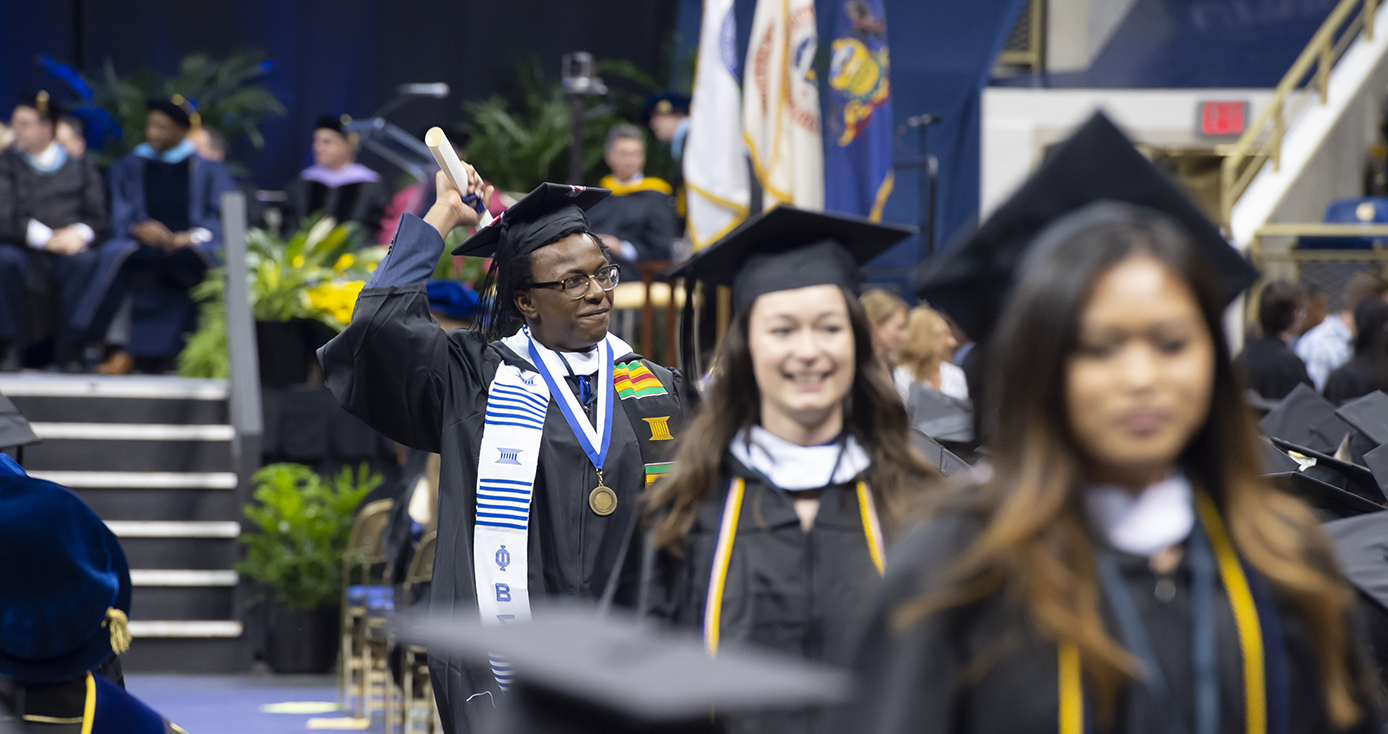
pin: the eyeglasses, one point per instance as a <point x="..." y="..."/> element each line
<point x="576" y="286"/>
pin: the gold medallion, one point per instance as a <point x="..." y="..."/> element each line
<point x="602" y="500"/>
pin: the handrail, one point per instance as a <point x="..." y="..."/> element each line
<point x="1262" y="141"/>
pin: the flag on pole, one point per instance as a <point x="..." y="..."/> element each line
<point x="780" y="104"/>
<point x="858" y="151"/>
<point x="715" y="159"/>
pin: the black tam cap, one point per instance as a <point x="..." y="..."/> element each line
<point x="576" y="672"/>
<point x="670" y="103"/>
<point x="973" y="279"/>
<point x="534" y="221"/>
<point x="46" y="107"/>
<point x="788" y="248"/>
<point x="174" y="111"/>
<point x="328" y="122"/>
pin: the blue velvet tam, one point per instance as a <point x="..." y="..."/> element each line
<point x="64" y="584"/>
<point x="452" y="299"/>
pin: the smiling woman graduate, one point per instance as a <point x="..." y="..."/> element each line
<point x="546" y="436"/>
<point x="770" y="529"/>
<point x="1123" y="567"/>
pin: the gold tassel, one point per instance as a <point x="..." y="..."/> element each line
<point x="119" y="625"/>
<point x="41" y="103"/>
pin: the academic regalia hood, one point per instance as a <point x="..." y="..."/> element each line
<point x="64" y="584"/>
<point x="578" y="672"/>
<point x="972" y="280"/>
<point x="534" y="221"/>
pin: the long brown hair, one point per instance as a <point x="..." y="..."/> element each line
<point x="873" y="414"/>
<point x="1035" y="545"/>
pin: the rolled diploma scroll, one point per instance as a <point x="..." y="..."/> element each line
<point x="453" y="168"/>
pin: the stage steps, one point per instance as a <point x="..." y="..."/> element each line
<point x="152" y="456"/>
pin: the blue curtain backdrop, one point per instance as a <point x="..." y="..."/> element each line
<point x="332" y="56"/>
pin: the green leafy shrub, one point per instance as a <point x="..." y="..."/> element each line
<point x="305" y="524"/>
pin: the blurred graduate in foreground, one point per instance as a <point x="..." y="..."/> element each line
<point x="1125" y="568"/>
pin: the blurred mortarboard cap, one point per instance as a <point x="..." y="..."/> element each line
<point x="1333" y="486"/>
<point x="577" y="672"/>
<point x="972" y="280"/>
<point x="939" y="457"/>
<point x="176" y="107"/>
<point x="788" y="248"/>
<point x="41" y="102"/>
<point x="534" y="221"/>
<point x="940" y="416"/>
<point x="1368" y="415"/>
<point x="1259" y="403"/>
<point x="1362" y="544"/>
<point x="669" y="103"/>
<point x="1304" y="418"/>
<point x="14" y="429"/>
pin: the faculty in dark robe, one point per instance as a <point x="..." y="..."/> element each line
<point x="337" y="185"/>
<point x="166" y="231"/>
<point x="52" y="210"/>
<point x="1114" y="570"/>
<point x="637" y="222"/>
<point x="1273" y="369"/>
<point x="65" y="588"/>
<point x="453" y="392"/>
<point x="768" y="532"/>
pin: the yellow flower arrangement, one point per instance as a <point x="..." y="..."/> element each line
<point x="336" y="299"/>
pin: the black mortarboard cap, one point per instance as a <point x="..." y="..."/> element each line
<point x="788" y="248"/>
<point x="43" y="104"/>
<point x="1325" y="482"/>
<point x="14" y="429"/>
<point x="534" y="221"/>
<point x="937" y="455"/>
<point x="577" y="672"/>
<point x="1306" y="419"/>
<point x="1362" y="545"/>
<point x="972" y="280"/>
<point x="1368" y="415"/>
<point x="175" y="111"/>
<point x="939" y="416"/>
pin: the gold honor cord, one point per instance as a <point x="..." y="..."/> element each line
<point x="723" y="553"/>
<point x="1246" y="620"/>
<point x="89" y="709"/>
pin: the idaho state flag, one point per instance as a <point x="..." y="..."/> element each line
<point x="858" y="120"/>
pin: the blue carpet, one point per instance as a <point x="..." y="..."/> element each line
<point x="230" y="704"/>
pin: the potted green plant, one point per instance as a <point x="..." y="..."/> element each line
<point x="304" y="525"/>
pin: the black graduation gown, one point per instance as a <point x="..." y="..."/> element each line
<point x="806" y="594"/>
<point x="70" y="195"/>
<point x="1273" y="369"/>
<point x="915" y="680"/>
<point x="394" y="368"/>
<point x="1354" y="379"/>
<point x="645" y="218"/>
<point x="364" y="203"/>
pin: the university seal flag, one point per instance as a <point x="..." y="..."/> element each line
<point x="858" y="144"/>
<point x="780" y="105"/>
<point x="715" y="158"/>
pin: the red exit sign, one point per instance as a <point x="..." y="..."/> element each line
<point x="1223" y="117"/>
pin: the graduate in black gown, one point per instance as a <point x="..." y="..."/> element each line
<point x="52" y="209"/>
<point x="770" y="530"/>
<point x="1123" y="568"/>
<point x="547" y="436"/>
<point x="336" y="184"/>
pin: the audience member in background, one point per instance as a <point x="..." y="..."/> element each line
<point x="69" y="134"/>
<point x="926" y="355"/>
<point x="336" y="184"/>
<point x="65" y="592"/>
<point x="1272" y="369"/>
<point x="166" y="231"/>
<point x="669" y="121"/>
<point x="637" y="222"/>
<point x="886" y="314"/>
<point x="1317" y="307"/>
<point x="1367" y="370"/>
<point x="1327" y="345"/>
<point x="6" y="136"/>
<point x="51" y="208"/>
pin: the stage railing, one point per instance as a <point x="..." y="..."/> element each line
<point x="243" y="359"/>
<point x="1262" y="141"/>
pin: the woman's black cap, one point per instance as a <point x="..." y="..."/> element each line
<point x="788" y="248"/>
<point x="972" y="280"/>
<point x="534" y="221"/>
